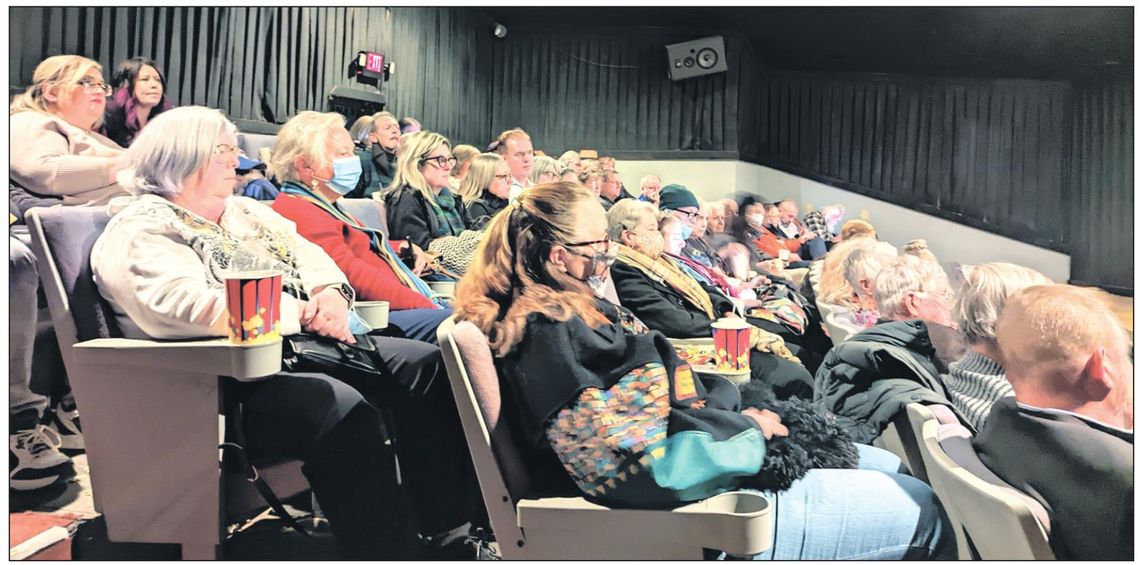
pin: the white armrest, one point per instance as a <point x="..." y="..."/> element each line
<point x="212" y="356"/>
<point x="740" y="523"/>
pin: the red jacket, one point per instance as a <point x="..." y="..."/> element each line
<point x="351" y="249"/>
<point x="770" y="243"/>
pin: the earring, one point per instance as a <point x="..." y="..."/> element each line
<point x="314" y="183"/>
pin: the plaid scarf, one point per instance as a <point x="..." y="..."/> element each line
<point x="665" y="270"/>
<point x="446" y="208"/>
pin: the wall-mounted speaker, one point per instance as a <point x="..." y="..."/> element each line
<point x="696" y="58"/>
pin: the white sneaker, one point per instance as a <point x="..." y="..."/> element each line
<point x="34" y="459"/>
<point x="66" y="424"/>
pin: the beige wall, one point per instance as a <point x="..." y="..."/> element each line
<point x="948" y="240"/>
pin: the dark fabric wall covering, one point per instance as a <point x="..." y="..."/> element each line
<point x="986" y="153"/>
<point x="1102" y="181"/>
<point x="609" y="89"/>
<point x="266" y="64"/>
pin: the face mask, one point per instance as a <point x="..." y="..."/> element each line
<point x="651" y="245"/>
<point x="346" y="173"/>
<point x="596" y="282"/>
<point x="756" y="221"/>
<point x="686" y="231"/>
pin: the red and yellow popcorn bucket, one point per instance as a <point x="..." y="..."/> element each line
<point x="253" y="307"/>
<point x="732" y="339"/>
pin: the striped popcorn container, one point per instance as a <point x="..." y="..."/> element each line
<point x="253" y="306"/>
<point x="732" y="339"/>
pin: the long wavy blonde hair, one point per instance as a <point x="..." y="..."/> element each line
<point x="509" y="278"/>
<point x="409" y="169"/>
<point x="833" y="286"/>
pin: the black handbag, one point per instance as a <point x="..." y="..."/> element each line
<point x="311" y="353"/>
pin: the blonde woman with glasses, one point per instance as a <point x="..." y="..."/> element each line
<point x="53" y="147"/>
<point x="486" y="189"/>
<point x="422" y="210"/>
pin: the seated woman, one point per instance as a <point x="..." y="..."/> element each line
<point x="312" y="183"/>
<point x="853" y="313"/>
<point x="140" y="95"/>
<point x="772" y="242"/>
<point x="421" y="207"/>
<point x="160" y="264"/>
<point x="977" y="380"/>
<point x="545" y="170"/>
<point x="463" y="155"/>
<point x="833" y="294"/>
<point x="659" y="292"/>
<point x="485" y="189"/>
<point x="531" y="290"/>
<point x="567" y="174"/>
<point x="53" y="148"/>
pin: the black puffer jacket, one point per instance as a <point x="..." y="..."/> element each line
<point x="869" y="378"/>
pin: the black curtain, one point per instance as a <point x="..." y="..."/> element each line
<point x="266" y="64"/>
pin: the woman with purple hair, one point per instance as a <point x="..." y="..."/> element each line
<point x="140" y="95"/>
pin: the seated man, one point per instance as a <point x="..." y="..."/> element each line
<point x="872" y="376"/>
<point x="1066" y="439"/>
<point x="792" y="228"/>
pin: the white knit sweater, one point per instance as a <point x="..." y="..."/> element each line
<point x="975" y="383"/>
<point x="52" y="157"/>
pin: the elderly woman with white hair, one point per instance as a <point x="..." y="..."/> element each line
<point x="161" y="263"/>
<point x="977" y="380"/>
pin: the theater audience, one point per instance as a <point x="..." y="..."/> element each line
<point x="516" y="148"/>
<point x="859" y="271"/>
<point x="160" y="264"/>
<point x="463" y="155"/>
<point x="857" y="228"/>
<point x="378" y="156"/>
<point x="790" y="226"/>
<point x="650" y="187"/>
<point x="772" y="242"/>
<point x="409" y="124"/>
<point x="251" y="181"/>
<point x="1067" y="437"/>
<point x="140" y="95"/>
<point x="668" y="299"/>
<point x="572" y="160"/>
<point x="361" y="132"/>
<point x="531" y="292"/>
<point x="823" y="222"/>
<point x="977" y="380"/>
<point x="870" y="378"/>
<point x="53" y="148"/>
<point x="611" y="188"/>
<point x="545" y="171"/>
<point x="313" y="158"/>
<point x="421" y="208"/>
<point x="485" y="190"/>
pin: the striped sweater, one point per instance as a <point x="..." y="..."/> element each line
<point x="975" y="383"/>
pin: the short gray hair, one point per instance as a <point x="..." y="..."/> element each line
<point x="866" y="262"/>
<point x="645" y="179"/>
<point x="626" y="214"/>
<point x="306" y="134"/>
<point x="171" y="148"/>
<point x="982" y="296"/>
<point x="906" y="273"/>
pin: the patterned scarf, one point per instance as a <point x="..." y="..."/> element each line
<point x="446" y="209"/>
<point x="218" y="248"/>
<point x="665" y="270"/>
<point x="379" y="240"/>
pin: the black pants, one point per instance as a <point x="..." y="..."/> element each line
<point x="787" y="378"/>
<point x="335" y="429"/>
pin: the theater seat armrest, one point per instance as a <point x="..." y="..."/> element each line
<point x="212" y="356"/>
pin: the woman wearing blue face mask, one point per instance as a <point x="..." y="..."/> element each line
<point x="315" y="160"/>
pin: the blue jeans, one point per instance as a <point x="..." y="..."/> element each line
<point x="872" y="512"/>
<point x="419" y="324"/>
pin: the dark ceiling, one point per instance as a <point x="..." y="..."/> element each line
<point x="1005" y="42"/>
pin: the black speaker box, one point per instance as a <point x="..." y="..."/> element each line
<point x="696" y="58"/>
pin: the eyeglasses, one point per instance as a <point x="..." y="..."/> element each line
<point x="91" y="85"/>
<point x="607" y="241"/>
<point x="689" y="216"/>
<point x="440" y="161"/>
<point x="221" y="150"/>
<point x="505" y="177"/>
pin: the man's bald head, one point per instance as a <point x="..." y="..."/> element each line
<point x="1061" y="347"/>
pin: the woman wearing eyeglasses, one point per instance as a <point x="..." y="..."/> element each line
<point x="602" y="407"/>
<point x="54" y="149"/>
<point x="421" y="208"/>
<point x="486" y="189"/>
<point x="140" y="96"/>
<point x="314" y="158"/>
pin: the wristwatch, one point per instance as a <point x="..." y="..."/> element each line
<point x="346" y="291"/>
